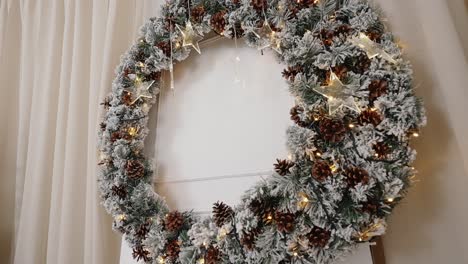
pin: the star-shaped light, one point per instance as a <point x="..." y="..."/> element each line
<point x="269" y="37"/>
<point x="338" y="95"/>
<point x="141" y="90"/>
<point x="371" y="48"/>
<point x="190" y="37"/>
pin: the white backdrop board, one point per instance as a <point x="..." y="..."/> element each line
<point x="212" y="126"/>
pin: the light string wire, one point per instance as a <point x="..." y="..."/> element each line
<point x="219" y="177"/>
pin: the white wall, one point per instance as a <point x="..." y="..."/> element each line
<point x="212" y="126"/>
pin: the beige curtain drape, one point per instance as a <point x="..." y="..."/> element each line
<point x="56" y="63"/>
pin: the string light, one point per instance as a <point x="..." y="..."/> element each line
<point x="201" y="261"/>
<point x="295" y="254"/>
<point x="269" y="217"/>
<point x="415" y="134"/>
<point x="121" y="217"/>
<point x="290" y="156"/>
<point x="318" y="154"/>
<point x="351" y="125"/>
<point x="132" y="131"/>
<point x="334" y="168"/>
<point x="161" y="259"/>
<point x="390" y="200"/>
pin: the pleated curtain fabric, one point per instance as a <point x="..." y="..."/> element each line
<point x="57" y="60"/>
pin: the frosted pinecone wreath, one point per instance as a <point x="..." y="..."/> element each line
<point x="350" y="161"/>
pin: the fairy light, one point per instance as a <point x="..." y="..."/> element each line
<point x="295" y="254"/>
<point x="390" y="199"/>
<point x="201" y="261"/>
<point x="318" y="154"/>
<point x="121" y="217"/>
<point x="334" y="168"/>
<point x="351" y="125"/>
<point x="161" y="259"/>
<point x="415" y="134"/>
<point x="132" y="131"/>
<point x="269" y="217"/>
<point x="290" y="156"/>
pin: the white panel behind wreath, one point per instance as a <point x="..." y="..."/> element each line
<point x="212" y="126"/>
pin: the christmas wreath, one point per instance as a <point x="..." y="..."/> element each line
<point x="350" y="161"/>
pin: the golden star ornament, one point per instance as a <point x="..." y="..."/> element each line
<point x="190" y="37"/>
<point x="141" y="90"/>
<point x="338" y="95"/>
<point x="371" y="48"/>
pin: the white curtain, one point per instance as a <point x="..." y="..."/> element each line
<point x="56" y="64"/>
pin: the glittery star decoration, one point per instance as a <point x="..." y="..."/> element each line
<point x="190" y="37"/>
<point x="338" y="95"/>
<point x="269" y="38"/>
<point x="141" y="90"/>
<point x="371" y="48"/>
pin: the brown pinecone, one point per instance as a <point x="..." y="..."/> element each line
<point x="332" y="130"/>
<point x="282" y="167"/>
<point x="291" y="72"/>
<point x="381" y="149"/>
<point x="318" y="237"/>
<point x="295" y="116"/>
<point x="321" y="171"/>
<point x="174" y="221"/>
<point x="222" y="213"/>
<point x="218" y="22"/>
<point x="263" y="210"/>
<point x="173" y="249"/>
<point x="119" y="191"/>
<point x="143" y="230"/>
<point x="139" y="253"/>
<point x="370" y="207"/>
<point x="259" y="5"/>
<point x="248" y="238"/>
<point x="327" y="36"/>
<point x="343" y="29"/>
<point x="155" y="76"/>
<point x="197" y="13"/>
<point x="377" y="88"/>
<point x="355" y="175"/>
<point x="374" y="34"/>
<point x="165" y="47"/>
<point x="127" y="98"/>
<point x="369" y="116"/>
<point x="115" y="136"/>
<point x="362" y="64"/>
<point x="285" y="222"/>
<point x="341" y="71"/>
<point x="212" y="255"/>
<point x="134" y="169"/>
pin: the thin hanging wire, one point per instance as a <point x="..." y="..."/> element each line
<point x="171" y="66"/>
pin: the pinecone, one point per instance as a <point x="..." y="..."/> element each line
<point x="212" y="255"/>
<point x="343" y="29"/>
<point x="332" y="130"/>
<point x="370" y="207"/>
<point x="295" y="116"/>
<point x="381" y="149"/>
<point x="127" y="98"/>
<point x="285" y="222"/>
<point x="263" y="209"/>
<point x="139" y="253"/>
<point x="374" y="34"/>
<point x="102" y="126"/>
<point x="218" y="22"/>
<point x="259" y="5"/>
<point x="173" y="249"/>
<point x="282" y="167"/>
<point x="362" y="64"/>
<point x="222" y="213"/>
<point x="115" y="136"/>
<point x="134" y="169"/>
<point x="341" y="71"/>
<point x="165" y="47"/>
<point x="321" y="171"/>
<point x="369" y="116"/>
<point x="197" y="13"/>
<point x="291" y="72"/>
<point x="142" y="231"/>
<point x="119" y="191"/>
<point x="318" y="237"/>
<point x="327" y="36"/>
<point x="154" y="76"/>
<point x="248" y="238"/>
<point x="355" y="175"/>
<point x="377" y="88"/>
<point x="174" y="221"/>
